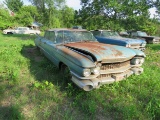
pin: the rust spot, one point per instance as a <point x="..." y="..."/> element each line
<point x="91" y="45"/>
<point x="96" y="47"/>
<point x="116" y="52"/>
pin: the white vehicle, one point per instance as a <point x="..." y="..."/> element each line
<point x="21" y="30"/>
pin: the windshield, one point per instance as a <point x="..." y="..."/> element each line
<point x="74" y="36"/>
<point x="142" y="34"/>
<point x="110" y="34"/>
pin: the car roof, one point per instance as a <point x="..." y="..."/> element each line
<point x="100" y="30"/>
<point x="65" y="29"/>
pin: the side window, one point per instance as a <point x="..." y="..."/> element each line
<point x="46" y="35"/>
<point x="134" y="34"/>
<point x="52" y="36"/>
<point x="20" y="28"/>
<point x="24" y="28"/>
<point x="59" y="37"/>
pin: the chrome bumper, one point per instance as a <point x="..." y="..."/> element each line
<point x="89" y="84"/>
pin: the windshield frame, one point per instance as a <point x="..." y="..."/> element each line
<point x="69" y="36"/>
<point x="110" y="34"/>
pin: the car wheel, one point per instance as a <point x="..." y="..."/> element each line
<point x="66" y="73"/>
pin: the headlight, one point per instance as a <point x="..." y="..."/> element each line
<point x="96" y="70"/>
<point x="128" y="45"/>
<point x="135" y="61"/>
<point x="86" y="72"/>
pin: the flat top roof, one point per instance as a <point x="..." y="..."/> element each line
<point x="65" y="29"/>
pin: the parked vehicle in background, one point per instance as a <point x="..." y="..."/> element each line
<point x="88" y="63"/>
<point x="123" y="34"/>
<point x="143" y="35"/>
<point x="21" y="30"/>
<point x="112" y="37"/>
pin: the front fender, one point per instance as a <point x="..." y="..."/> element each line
<point x="139" y="53"/>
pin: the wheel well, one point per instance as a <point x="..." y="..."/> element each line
<point x="60" y="65"/>
<point x="9" y="33"/>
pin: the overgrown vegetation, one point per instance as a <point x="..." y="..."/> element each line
<point x="31" y="87"/>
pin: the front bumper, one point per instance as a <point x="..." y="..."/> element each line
<point x="89" y="84"/>
<point x="138" y="48"/>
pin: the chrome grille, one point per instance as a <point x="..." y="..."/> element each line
<point x="108" y="66"/>
<point x="109" y="75"/>
<point x="135" y="45"/>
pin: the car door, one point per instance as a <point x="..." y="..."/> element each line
<point x="49" y="46"/>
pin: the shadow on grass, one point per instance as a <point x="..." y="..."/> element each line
<point x="42" y="68"/>
<point x="11" y="113"/>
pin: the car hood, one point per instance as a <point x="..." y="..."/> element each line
<point x="7" y="29"/>
<point x="102" y="52"/>
<point x="129" y="40"/>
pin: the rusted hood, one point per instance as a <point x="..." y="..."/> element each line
<point x="99" y="51"/>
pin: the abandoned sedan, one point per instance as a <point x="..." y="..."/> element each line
<point x="89" y="63"/>
<point x="112" y="37"/>
<point x="143" y="35"/>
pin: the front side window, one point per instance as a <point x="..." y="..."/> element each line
<point x="134" y="34"/>
<point x="52" y="36"/>
<point x="59" y="37"/>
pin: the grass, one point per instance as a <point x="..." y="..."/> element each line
<point x="31" y="87"/>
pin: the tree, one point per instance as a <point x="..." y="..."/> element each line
<point x="32" y="10"/>
<point x="14" y="5"/>
<point x="5" y="19"/>
<point x="114" y="14"/>
<point x="48" y="10"/>
<point x="67" y="16"/>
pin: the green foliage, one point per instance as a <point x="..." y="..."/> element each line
<point x="14" y="5"/>
<point x="44" y="85"/>
<point x="115" y="15"/>
<point x="67" y="17"/>
<point x="24" y="18"/>
<point x="5" y="19"/>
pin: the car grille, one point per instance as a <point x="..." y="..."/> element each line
<point x="111" y="75"/>
<point x="109" y="66"/>
<point x="135" y="44"/>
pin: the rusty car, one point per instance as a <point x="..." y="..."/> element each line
<point x="143" y="35"/>
<point x="85" y="61"/>
<point x="112" y="37"/>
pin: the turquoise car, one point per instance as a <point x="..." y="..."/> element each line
<point x="88" y="63"/>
